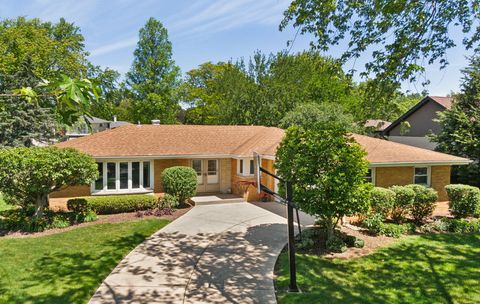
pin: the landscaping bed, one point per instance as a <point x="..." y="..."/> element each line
<point x="67" y="267"/>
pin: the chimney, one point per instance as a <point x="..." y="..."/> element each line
<point x="114" y="118"/>
<point x="155" y="122"/>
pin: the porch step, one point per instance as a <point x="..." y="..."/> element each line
<point x="214" y="199"/>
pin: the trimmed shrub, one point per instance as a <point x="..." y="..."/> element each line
<point x="119" y="203"/>
<point x="353" y="241"/>
<point x="423" y="202"/>
<point x="180" y="182"/>
<point x="464" y="200"/>
<point x="463" y="226"/>
<point x="382" y="201"/>
<point x="78" y="205"/>
<point x="168" y="201"/>
<point x="373" y="223"/>
<point x="394" y="230"/>
<point x="336" y="244"/>
<point x="404" y="198"/>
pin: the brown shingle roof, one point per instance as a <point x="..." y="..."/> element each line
<point x="446" y="102"/>
<point x="194" y="140"/>
<point x="381" y="151"/>
<point x="166" y="140"/>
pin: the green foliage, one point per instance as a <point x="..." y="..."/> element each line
<point x="460" y="125"/>
<point x="382" y="201"/>
<point x="353" y="241"/>
<point x="463" y="226"/>
<point x="404" y="199"/>
<point x="423" y="202"/>
<point x="313" y="113"/>
<point x="264" y="89"/>
<point x="33" y="50"/>
<point x="396" y="34"/>
<point x="326" y="168"/>
<point x="168" y="201"/>
<point x="464" y="200"/>
<point x="112" y="204"/>
<point x="373" y="223"/>
<point x="23" y="123"/>
<point x="336" y="244"/>
<point x="394" y="230"/>
<point x="180" y="182"/>
<point x="28" y="175"/>
<point x="153" y="76"/>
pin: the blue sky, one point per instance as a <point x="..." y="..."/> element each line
<point x="200" y="30"/>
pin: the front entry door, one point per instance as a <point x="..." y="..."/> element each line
<point x="208" y="176"/>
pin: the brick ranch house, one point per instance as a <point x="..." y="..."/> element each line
<point x="131" y="159"/>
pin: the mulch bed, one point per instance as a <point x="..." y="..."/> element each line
<point x="102" y="219"/>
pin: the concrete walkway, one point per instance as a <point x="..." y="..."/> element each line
<point x="216" y="253"/>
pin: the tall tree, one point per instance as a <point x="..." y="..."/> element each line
<point x="33" y="50"/>
<point x="399" y="35"/>
<point x="460" y="126"/>
<point x="265" y="88"/>
<point x="24" y="124"/>
<point x="154" y="76"/>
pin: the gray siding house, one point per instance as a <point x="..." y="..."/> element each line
<point x="421" y="121"/>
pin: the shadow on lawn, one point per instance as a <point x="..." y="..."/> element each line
<point x="78" y="275"/>
<point x="441" y="268"/>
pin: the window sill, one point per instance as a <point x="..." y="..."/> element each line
<point x="122" y="191"/>
<point x="245" y="175"/>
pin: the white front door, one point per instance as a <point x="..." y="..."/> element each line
<point x="208" y="175"/>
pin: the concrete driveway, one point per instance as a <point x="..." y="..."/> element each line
<point x="216" y="253"/>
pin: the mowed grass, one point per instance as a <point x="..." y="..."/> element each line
<point x="66" y="267"/>
<point x="441" y="268"/>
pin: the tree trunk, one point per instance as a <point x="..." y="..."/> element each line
<point x="330" y="228"/>
<point x="40" y="203"/>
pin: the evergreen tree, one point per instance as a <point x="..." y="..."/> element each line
<point x="154" y="76"/>
<point x="460" y="126"/>
<point x="23" y="124"/>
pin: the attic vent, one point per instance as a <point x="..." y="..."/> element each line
<point x="155" y="121"/>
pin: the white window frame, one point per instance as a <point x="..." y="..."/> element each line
<point x="117" y="189"/>
<point x="374" y="173"/>
<point x="429" y="175"/>
<point x="246" y="166"/>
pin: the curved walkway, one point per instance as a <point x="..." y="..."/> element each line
<point x="218" y="253"/>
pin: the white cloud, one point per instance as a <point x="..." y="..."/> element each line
<point x="115" y="46"/>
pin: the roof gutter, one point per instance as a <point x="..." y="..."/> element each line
<point x="420" y="163"/>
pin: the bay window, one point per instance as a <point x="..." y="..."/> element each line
<point x="123" y="177"/>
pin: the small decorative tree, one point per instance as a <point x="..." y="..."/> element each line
<point x="327" y="169"/>
<point x="29" y="175"/>
<point x="180" y="182"/>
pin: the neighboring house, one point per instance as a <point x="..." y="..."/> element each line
<point x="88" y="125"/>
<point x="376" y="126"/>
<point x="131" y="159"/>
<point x="413" y="127"/>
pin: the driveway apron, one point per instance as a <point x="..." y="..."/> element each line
<point x="218" y="253"/>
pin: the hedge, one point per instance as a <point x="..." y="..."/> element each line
<point x="423" y="202"/>
<point x="404" y="199"/>
<point x="382" y="201"/>
<point x="464" y="200"/>
<point x="112" y="204"/>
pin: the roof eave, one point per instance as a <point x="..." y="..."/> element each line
<point x="422" y="163"/>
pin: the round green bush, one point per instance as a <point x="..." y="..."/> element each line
<point x="180" y="182"/>
<point x="423" y="202"/>
<point x="382" y="201"/>
<point x="464" y="200"/>
<point x="404" y="198"/>
<point x="336" y="244"/>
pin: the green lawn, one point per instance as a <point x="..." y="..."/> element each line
<point x="66" y="267"/>
<point x="442" y="268"/>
